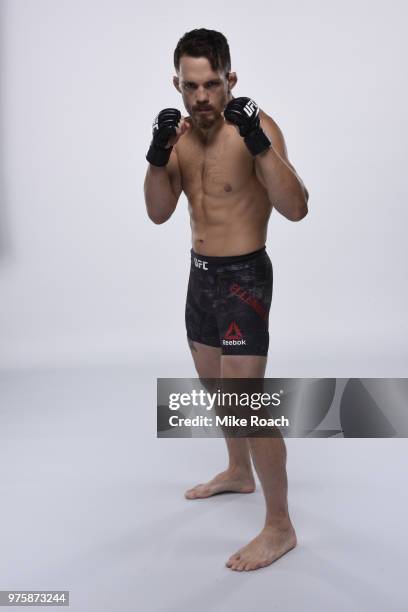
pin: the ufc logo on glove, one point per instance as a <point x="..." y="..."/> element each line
<point x="250" y="108"/>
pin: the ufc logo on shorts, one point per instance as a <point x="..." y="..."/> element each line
<point x="250" y="107"/>
<point x="199" y="263"/>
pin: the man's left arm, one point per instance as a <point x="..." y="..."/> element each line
<point x="274" y="171"/>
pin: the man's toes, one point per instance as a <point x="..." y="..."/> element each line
<point x="234" y="564"/>
<point x="192" y="493"/>
<point x="233" y="560"/>
<point x="249" y="565"/>
<point x="202" y="491"/>
<point x="238" y="564"/>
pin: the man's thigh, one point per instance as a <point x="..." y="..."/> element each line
<point x="242" y="313"/>
<point x="207" y="359"/>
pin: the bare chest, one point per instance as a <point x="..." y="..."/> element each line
<point x="222" y="168"/>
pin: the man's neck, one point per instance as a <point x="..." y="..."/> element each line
<point x="206" y="134"/>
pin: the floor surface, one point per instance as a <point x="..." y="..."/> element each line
<point x="93" y="503"/>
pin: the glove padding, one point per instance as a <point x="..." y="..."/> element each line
<point x="164" y="127"/>
<point x="243" y="112"/>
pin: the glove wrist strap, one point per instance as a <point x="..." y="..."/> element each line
<point x="158" y="156"/>
<point x="257" y="141"/>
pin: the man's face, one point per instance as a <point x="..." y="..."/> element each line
<point x="205" y="92"/>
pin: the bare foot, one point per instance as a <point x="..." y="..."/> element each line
<point x="269" y="545"/>
<point x="228" y="481"/>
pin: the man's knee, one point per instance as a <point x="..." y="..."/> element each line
<point x="210" y="384"/>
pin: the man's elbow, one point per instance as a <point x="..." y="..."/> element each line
<point x="158" y="219"/>
<point x="301" y="210"/>
<point x="299" y="214"/>
<point x="159" y="215"/>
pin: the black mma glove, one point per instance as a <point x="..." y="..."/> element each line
<point x="243" y="112"/>
<point x="164" y="126"/>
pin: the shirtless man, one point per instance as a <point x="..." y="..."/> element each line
<point x="230" y="159"/>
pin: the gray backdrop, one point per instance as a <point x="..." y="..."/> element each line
<point x="91" y="501"/>
<point x="85" y="276"/>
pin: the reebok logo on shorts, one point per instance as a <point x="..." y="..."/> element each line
<point x="233" y="336"/>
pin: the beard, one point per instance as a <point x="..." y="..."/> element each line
<point x="206" y="120"/>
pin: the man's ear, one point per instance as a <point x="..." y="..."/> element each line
<point x="232" y="79"/>
<point x="176" y="83"/>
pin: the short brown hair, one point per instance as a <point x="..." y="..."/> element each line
<point x="204" y="43"/>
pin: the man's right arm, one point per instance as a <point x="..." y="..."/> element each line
<point x="162" y="189"/>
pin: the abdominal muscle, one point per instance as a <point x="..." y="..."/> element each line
<point x="229" y="208"/>
<point x="228" y="226"/>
